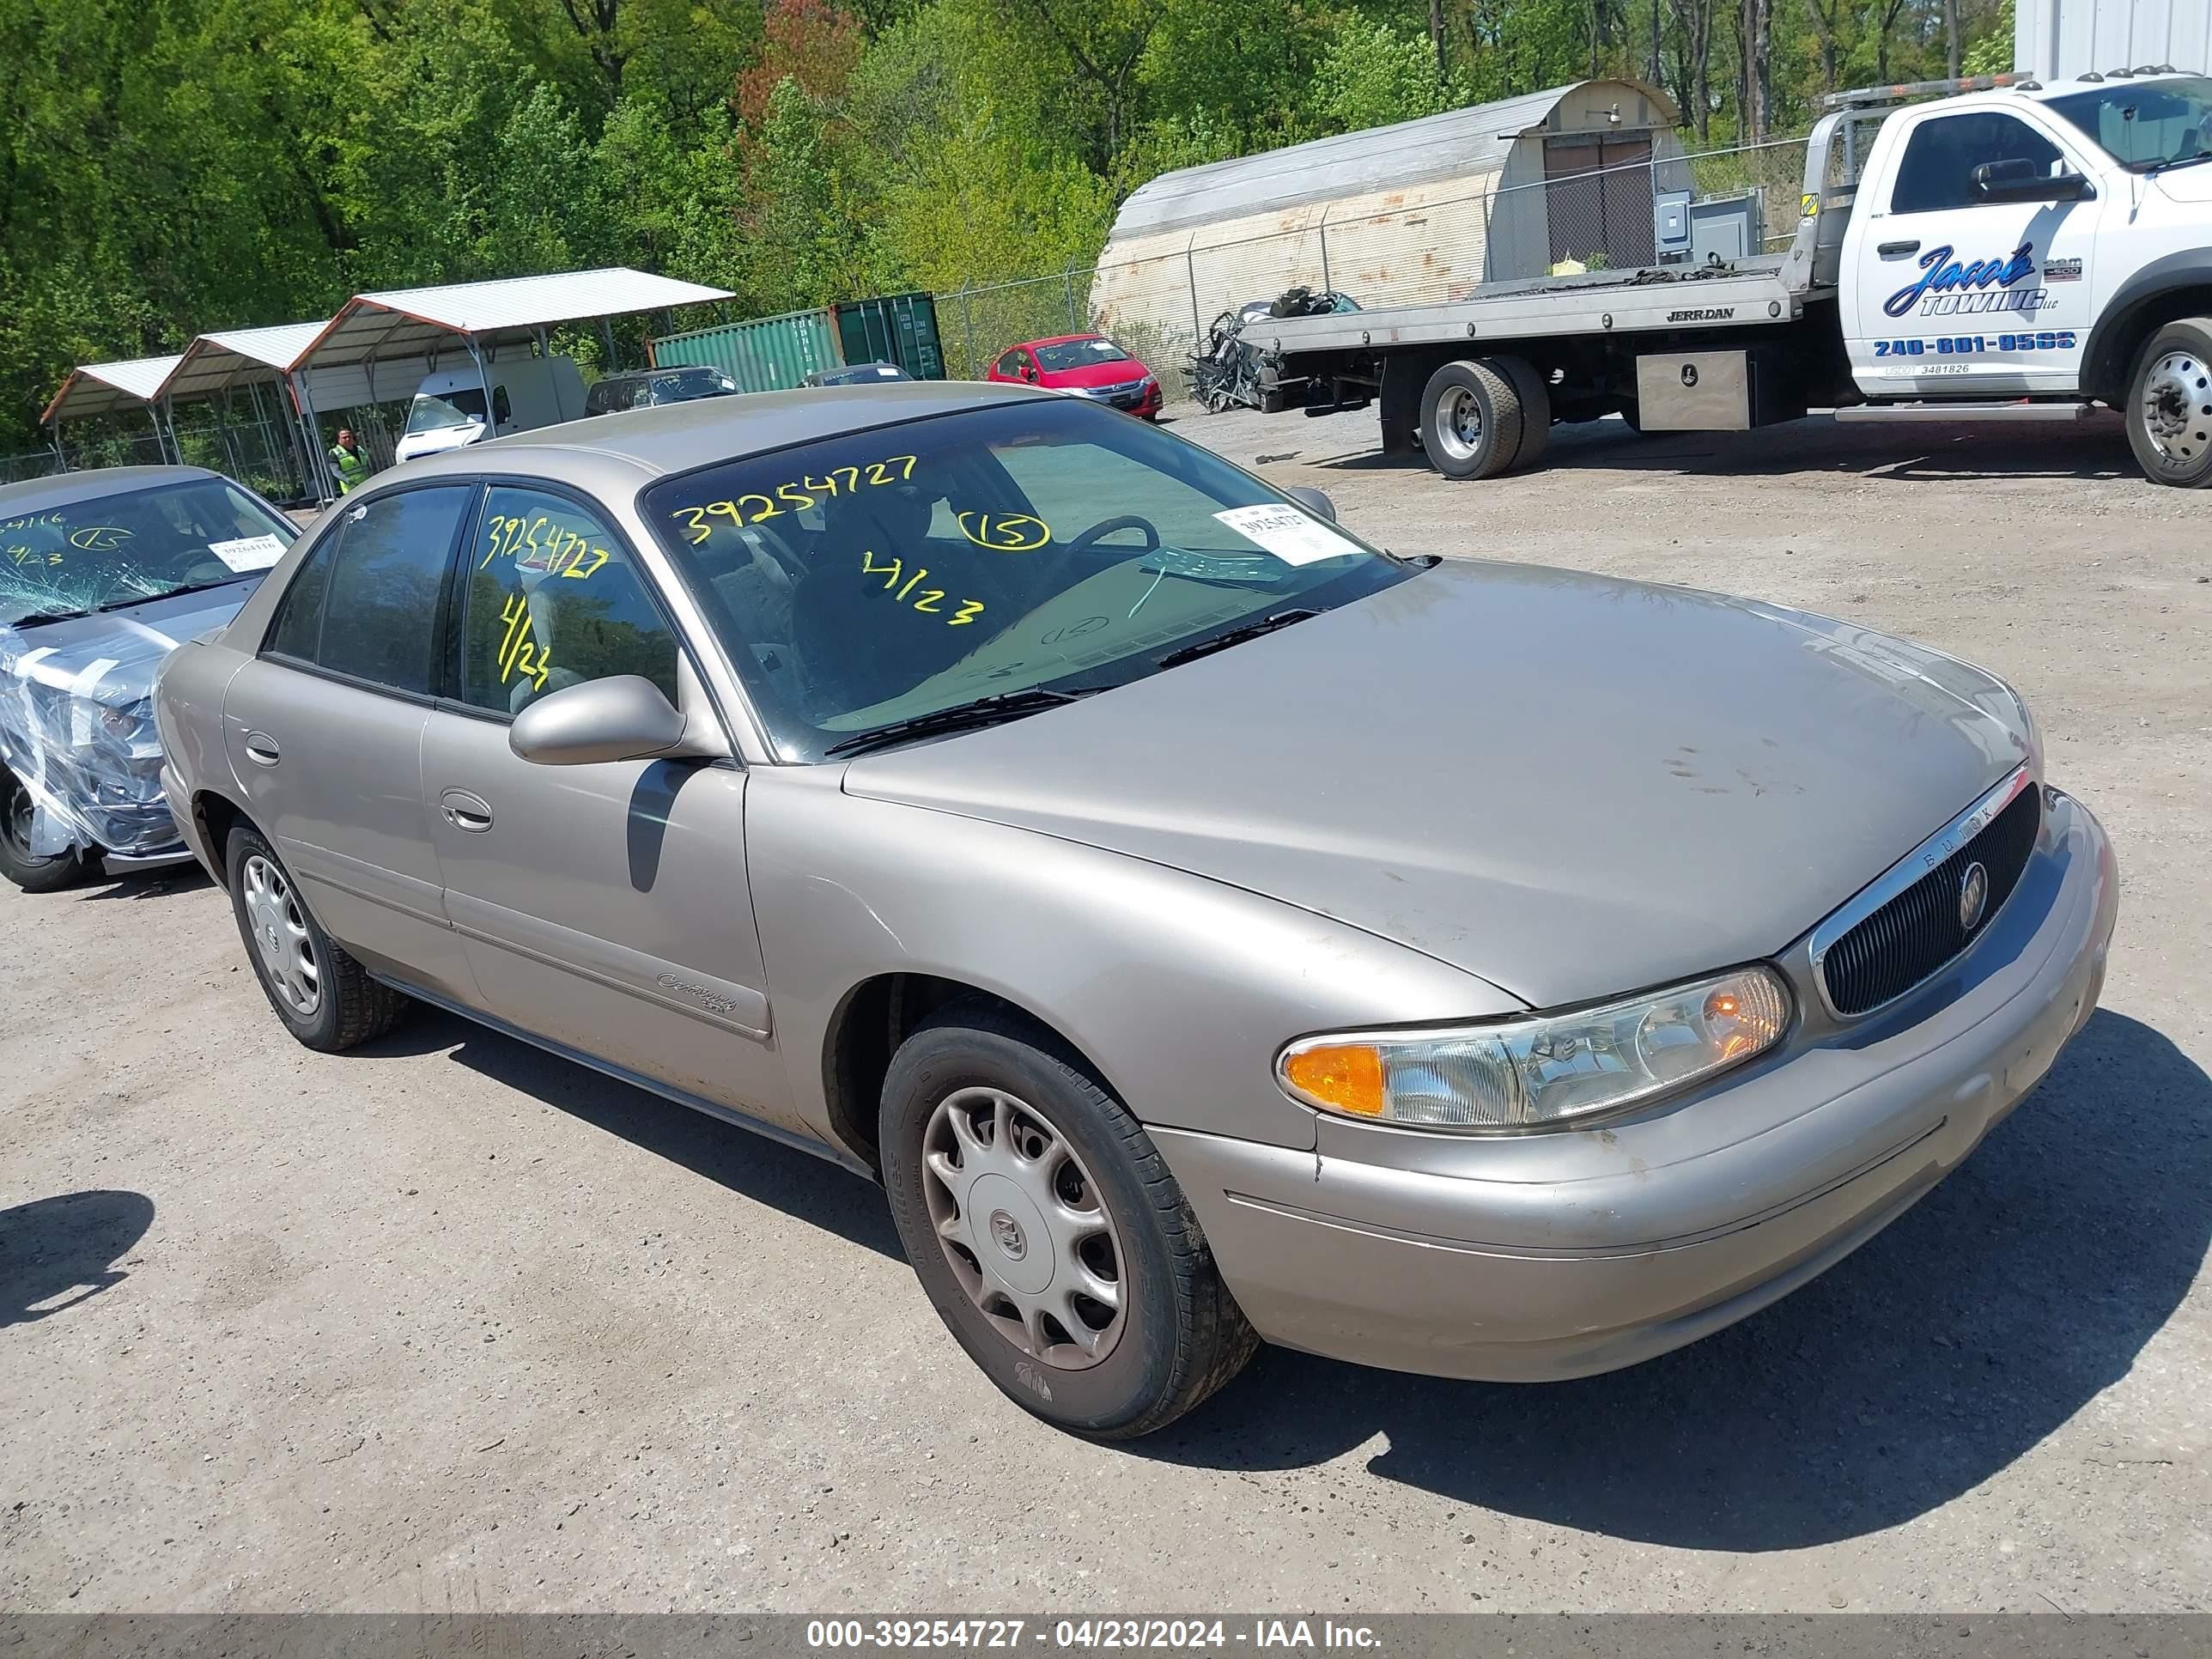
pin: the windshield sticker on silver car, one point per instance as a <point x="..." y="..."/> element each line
<point x="1293" y="537"/>
<point x="248" y="552"/>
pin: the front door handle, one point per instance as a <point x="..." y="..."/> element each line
<point x="465" y="812"/>
<point x="261" y="749"/>
<point x="1898" y="249"/>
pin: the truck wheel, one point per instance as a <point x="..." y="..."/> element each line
<point x="2169" y="404"/>
<point x="1530" y="385"/>
<point x="34" y="873"/>
<point x="1471" y="421"/>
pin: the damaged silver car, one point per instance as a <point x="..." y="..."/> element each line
<point x="102" y="573"/>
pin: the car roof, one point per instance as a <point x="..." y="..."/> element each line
<point x="619" y="453"/>
<point x="68" y="489"/>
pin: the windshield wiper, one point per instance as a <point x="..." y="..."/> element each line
<point x="962" y="716"/>
<point x="1250" y="630"/>
<point x="38" y="616"/>
<point x="129" y="599"/>
<point x="2179" y="162"/>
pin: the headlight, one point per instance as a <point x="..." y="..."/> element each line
<point x="1545" y="1072"/>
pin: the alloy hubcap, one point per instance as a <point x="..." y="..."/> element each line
<point x="1459" y="422"/>
<point x="281" y="937"/>
<point x="2177" y="407"/>
<point x="1024" y="1228"/>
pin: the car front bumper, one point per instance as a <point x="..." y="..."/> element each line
<point x="1557" y="1255"/>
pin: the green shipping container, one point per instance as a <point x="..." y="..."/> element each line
<point x="765" y="355"/>
<point x="897" y="328"/>
<point x="770" y="353"/>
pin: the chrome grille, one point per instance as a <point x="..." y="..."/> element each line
<point x="1912" y="932"/>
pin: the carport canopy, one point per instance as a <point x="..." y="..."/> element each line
<point x="214" y="363"/>
<point x="104" y="388"/>
<point x="417" y="323"/>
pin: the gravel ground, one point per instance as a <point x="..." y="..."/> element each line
<point x="448" y="1325"/>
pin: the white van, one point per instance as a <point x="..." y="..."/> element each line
<point x="448" y="409"/>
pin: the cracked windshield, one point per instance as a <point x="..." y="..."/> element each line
<point x="871" y="579"/>
<point x="118" y="551"/>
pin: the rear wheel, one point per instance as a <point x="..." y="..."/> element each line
<point x="1535" y="395"/>
<point x="1471" y="421"/>
<point x="2169" y="404"/>
<point x="1047" y="1230"/>
<point x="327" y="999"/>
<point x="34" y="873"/>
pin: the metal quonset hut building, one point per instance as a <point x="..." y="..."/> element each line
<point x="1422" y="210"/>
<point x="2060" y="40"/>
<point x="112" y="388"/>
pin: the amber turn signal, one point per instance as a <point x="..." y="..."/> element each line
<point x="1347" y="1077"/>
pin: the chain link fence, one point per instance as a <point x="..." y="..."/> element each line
<point x="1733" y="203"/>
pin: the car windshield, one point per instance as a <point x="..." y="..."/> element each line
<point x="2146" y="125"/>
<point x="685" y="385"/>
<point x="138" y="544"/>
<point x="866" y="580"/>
<point x="1079" y="354"/>
<point x="435" y="413"/>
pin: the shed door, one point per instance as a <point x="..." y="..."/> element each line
<point x="1598" y="199"/>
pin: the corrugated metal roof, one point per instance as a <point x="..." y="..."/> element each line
<point x="1456" y="144"/>
<point x="214" y="361"/>
<point x="404" y="322"/>
<point x="1459" y="141"/>
<point x="102" y="388"/>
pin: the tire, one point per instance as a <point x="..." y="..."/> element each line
<point x="1177" y="1335"/>
<point x="348" y="1007"/>
<point x="1471" y="421"/>
<point x="1535" y="395"/>
<point x="35" y="872"/>
<point x="2169" y="404"/>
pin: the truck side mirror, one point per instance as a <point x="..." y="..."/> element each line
<point x="2018" y="179"/>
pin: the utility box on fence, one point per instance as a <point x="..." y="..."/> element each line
<point x="770" y="353"/>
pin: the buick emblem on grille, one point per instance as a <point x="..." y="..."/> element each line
<point x="1973" y="897"/>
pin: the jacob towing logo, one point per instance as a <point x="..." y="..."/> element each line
<point x="1953" y="287"/>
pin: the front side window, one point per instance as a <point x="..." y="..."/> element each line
<point x="1011" y="364"/>
<point x="1938" y="172"/>
<point x="118" y="550"/>
<point x="2146" y="125"/>
<point x="365" y="602"/>
<point x="1080" y="354"/>
<point x="870" y="578"/>
<point x="554" y="599"/>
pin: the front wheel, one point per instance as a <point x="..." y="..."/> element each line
<point x="2169" y="404"/>
<point x="1047" y="1230"/>
<point x="34" y="873"/>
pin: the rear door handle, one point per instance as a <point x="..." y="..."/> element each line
<point x="261" y="749"/>
<point x="465" y="811"/>
<point x="1896" y="250"/>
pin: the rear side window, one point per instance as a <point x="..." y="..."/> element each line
<point x="376" y="582"/>
<point x="1938" y="172"/>
<point x="554" y="599"/>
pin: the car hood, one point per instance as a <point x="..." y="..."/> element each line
<point x="1114" y="373"/>
<point x="131" y="642"/>
<point x="435" y="441"/>
<point x="1568" y="785"/>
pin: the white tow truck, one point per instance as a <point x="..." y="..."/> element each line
<point x="2010" y="249"/>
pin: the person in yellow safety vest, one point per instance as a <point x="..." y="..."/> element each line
<point x="347" y="460"/>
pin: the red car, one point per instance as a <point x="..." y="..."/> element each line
<point x="1089" y="365"/>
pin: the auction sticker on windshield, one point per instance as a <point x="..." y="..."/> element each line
<point x="248" y="552"/>
<point x="1293" y="537"/>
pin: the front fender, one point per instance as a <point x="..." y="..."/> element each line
<point x="2110" y="351"/>
<point x="1179" y="989"/>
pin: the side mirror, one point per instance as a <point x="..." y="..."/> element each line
<point x="2018" y="179"/>
<point x="1315" y="501"/>
<point x="622" y="718"/>
<point x="1029" y="371"/>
